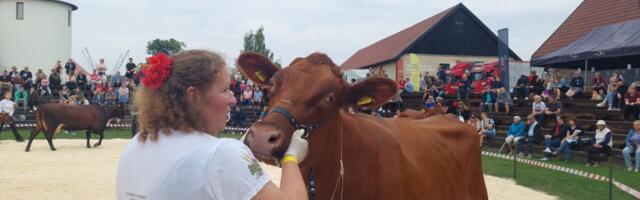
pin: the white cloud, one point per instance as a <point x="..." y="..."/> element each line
<point x="292" y="28"/>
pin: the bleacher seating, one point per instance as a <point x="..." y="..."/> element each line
<point x="581" y="107"/>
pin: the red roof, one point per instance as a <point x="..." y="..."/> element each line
<point x="391" y="47"/>
<point x="590" y="14"/>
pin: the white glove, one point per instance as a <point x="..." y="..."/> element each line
<point x="298" y="146"/>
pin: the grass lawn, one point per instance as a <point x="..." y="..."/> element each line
<point x="563" y="185"/>
<point x="108" y="134"/>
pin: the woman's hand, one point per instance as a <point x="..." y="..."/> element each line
<point x="298" y="146"/>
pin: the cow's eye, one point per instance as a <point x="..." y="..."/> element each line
<point x="329" y="98"/>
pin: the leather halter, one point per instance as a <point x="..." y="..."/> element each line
<point x="292" y="120"/>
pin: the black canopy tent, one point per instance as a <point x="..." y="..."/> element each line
<point x="608" y="47"/>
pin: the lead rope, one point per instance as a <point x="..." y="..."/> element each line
<point x="341" y="175"/>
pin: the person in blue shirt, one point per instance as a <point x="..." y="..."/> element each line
<point x="515" y="134"/>
<point x="408" y="86"/>
<point x="488" y="99"/>
<point x="632" y="141"/>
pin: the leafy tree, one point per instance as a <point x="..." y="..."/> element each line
<point x="169" y="47"/>
<point x="255" y="42"/>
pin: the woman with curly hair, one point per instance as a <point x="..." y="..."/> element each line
<point x="182" y="104"/>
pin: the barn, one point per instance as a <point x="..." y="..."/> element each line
<point x="453" y="35"/>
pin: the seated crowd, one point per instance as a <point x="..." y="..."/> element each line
<point x="72" y="87"/>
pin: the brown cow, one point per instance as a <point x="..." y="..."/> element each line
<point x="52" y="117"/>
<point x="382" y="158"/>
<point x="424" y="113"/>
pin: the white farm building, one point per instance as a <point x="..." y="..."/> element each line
<point x="35" y="33"/>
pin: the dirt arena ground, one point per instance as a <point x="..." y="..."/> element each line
<point x="75" y="172"/>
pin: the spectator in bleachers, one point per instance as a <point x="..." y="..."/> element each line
<point x="257" y="96"/>
<point x="515" y="134"/>
<point x="401" y="84"/>
<point x="264" y="111"/>
<point x="130" y="67"/>
<point x="39" y="76"/>
<point x="237" y="117"/>
<point x="82" y="81"/>
<point x="464" y="87"/>
<point x="475" y="122"/>
<point x="598" y="86"/>
<point x="552" y="110"/>
<point x="601" y="143"/>
<point x="58" y="66"/>
<point x="631" y="104"/>
<point x="621" y="90"/>
<point x="14" y="73"/>
<point x="247" y="96"/>
<point x="442" y="75"/>
<point x="55" y="82"/>
<point x="552" y="87"/>
<point x="436" y="88"/>
<point x="632" y="141"/>
<point x="554" y="139"/>
<point x="98" y="96"/>
<point x="70" y="67"/>
<point x="503" y="99"/>
<point x="408" y="86"/>
<point x="22" y="98"/>
<point x="110" y="97"/>
<point x="571" y="139"/>
<point x="612" y="90"/>
<point x="27" y="77"/>
<point x="93" y="79"/>
<point x="488" y="99"/>
<point x="123" y="94"/>
<point x="488" y="127"/>
<point x="576" y="85"/>
<point x="45" y="90"/>
<point x="71" y="84"/>
<point x="101" y="67"/>
<point x="533" y="134"/>
<point x="496" y="84"/>
<point x="534" y="83"/>
<point x="521" y="90"/>
<point x="33" y="94"/>
<point x="538" y="108"/>
<point x="5" y="78"/>
<point x="116" y="80"/>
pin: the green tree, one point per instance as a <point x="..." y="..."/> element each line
<point x="255" y="42"/>
<point x="169" y="47"/>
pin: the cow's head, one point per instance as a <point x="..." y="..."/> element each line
<point x="311" y="90"/>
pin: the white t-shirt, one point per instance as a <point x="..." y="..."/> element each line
<point x="6" y="106"/>
<point x="188" y="166"/>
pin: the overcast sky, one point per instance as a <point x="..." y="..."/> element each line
<point x="292" y="28"/>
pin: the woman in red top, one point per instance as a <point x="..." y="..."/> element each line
<point x="631" y="103"/>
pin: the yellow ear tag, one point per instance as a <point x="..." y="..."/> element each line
<point x="261" y="75"/>
<point x="364" y="100"/>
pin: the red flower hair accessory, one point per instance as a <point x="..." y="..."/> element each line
<point x="157" y="72"/>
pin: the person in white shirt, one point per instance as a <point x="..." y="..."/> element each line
<point x="101" y="68"/>
<point x="178" y="155"/>
<point x="7" y="107"/>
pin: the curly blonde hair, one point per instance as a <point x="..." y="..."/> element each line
<point x="168" y="107"/>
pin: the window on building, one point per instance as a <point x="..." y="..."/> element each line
<point x="20" y="10"/>
<point x="69" y="18"/>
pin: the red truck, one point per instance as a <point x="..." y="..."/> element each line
<point x="481" y="74"/>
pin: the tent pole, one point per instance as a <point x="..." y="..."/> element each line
<point x="586" y="65"/>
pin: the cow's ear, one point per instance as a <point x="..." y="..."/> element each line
<point x="372" y="92"/>
<point x="256" y="67"/>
